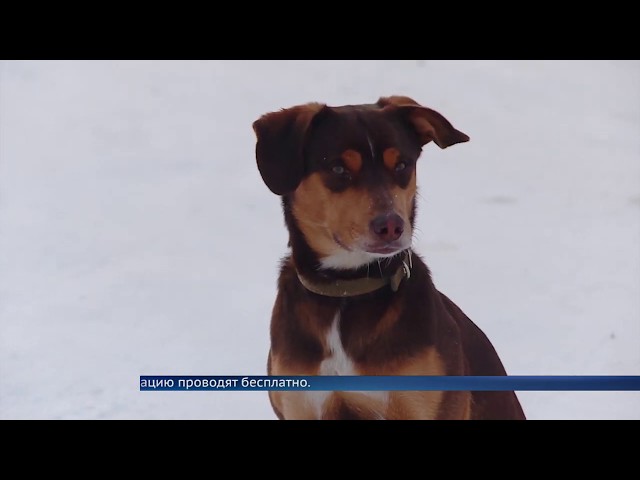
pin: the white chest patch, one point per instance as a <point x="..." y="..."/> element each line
<point x="336" y="363"/>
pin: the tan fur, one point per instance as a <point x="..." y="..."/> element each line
<point x="390" y="158"/>
<point x="403" y="198"/>
<point x="323" y="214"/>
<point x="419" y="405"/>
<point x="423" y="405"/>
<point x="352" y="160"/>
<point x="291" y="404"/>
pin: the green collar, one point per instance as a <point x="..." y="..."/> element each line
<point x="360" y="286"/>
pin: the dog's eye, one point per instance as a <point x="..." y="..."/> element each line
<point x="400" y="166"/>
<point x="338" y="170"/>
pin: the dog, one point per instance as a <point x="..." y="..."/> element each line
<point x="352" y="297"/>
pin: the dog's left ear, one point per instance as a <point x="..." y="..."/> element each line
<point x="280" y="146"/>
<point x="428" y="124"/>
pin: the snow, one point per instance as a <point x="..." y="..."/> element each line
<point x="136" y="236"/>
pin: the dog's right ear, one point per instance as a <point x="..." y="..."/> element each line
<point x="280" y="144"/>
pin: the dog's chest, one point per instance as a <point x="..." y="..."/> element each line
<point x="338" y="362"/>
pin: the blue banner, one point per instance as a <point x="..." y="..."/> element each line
<point x="391" y="383"/>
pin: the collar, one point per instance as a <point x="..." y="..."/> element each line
<point x="360" y="286"/>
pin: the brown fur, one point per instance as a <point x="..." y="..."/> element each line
<point x="414" y="331"/>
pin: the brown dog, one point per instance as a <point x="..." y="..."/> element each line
<point x="352" y="298"/>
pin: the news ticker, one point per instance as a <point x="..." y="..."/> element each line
<point x="390" y="383"/>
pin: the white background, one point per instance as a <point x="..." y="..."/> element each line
<point x="136" y="237"/>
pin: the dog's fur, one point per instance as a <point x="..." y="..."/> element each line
<point x="347" y="177"/>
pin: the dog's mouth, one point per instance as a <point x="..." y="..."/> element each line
<point x="388" y="249"/>
<point x="362" y="252"/>
<point x="382" y="249"/>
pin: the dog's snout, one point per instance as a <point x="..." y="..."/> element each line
<point x="387" y="227"/>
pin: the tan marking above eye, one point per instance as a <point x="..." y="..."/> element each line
<point x="390" y="157"/>
<point x="352" y="160"/>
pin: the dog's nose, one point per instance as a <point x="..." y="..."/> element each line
<point x="387" y="227"/>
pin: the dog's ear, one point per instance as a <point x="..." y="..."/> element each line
<point x="427" y="123"/>
<point x="280" y="144"/>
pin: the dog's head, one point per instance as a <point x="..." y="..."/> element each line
<point x="349" y="173"/>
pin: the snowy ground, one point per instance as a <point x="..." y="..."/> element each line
<point x="136" y="236"/>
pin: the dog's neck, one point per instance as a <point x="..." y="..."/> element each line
<point x="359" y="286"/>
<point x="363" y="279"/>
